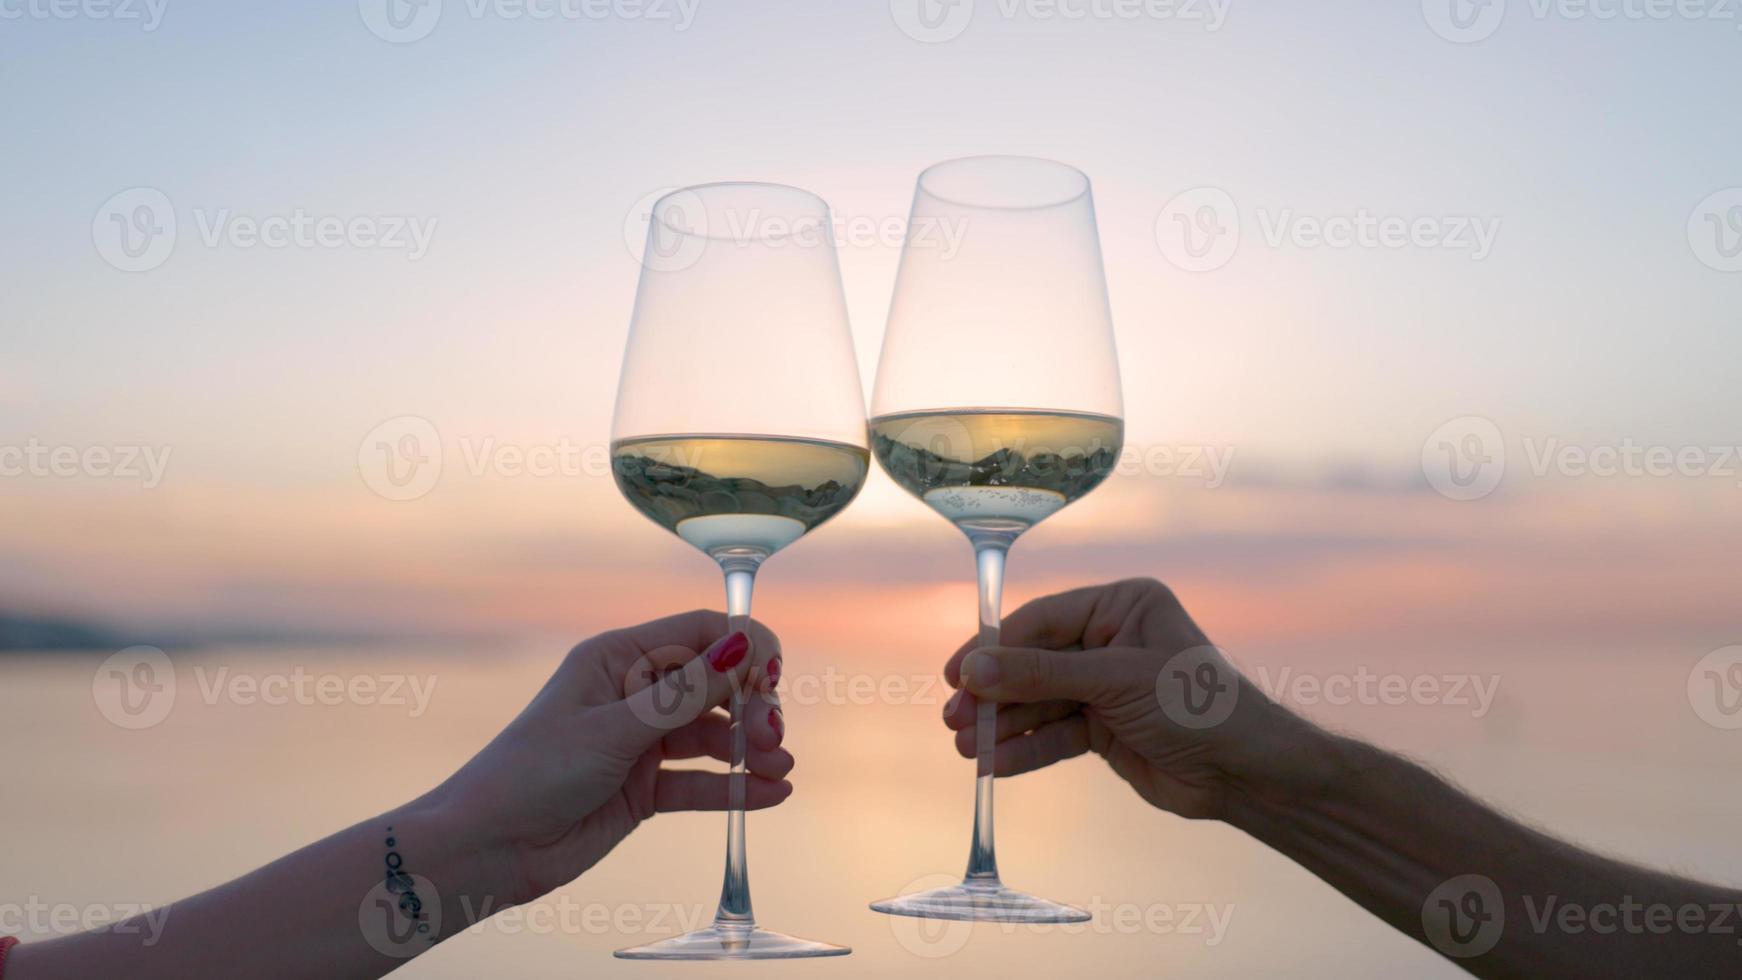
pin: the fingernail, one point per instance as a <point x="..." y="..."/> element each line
<point x="776" y="722"/>
<point x="950" y="705"/>
<point x="773" y="672"/>
<point x="982" y="668"/>
<point x="728" y="651"/>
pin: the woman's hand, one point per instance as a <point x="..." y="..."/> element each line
<point x="544" y="801"/>
<point x="1122" y="670"/>
<point x="581" y="767"/>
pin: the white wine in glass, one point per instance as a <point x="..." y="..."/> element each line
<point x="740" y="427"/>
<point x="997" y="469"/>
<point x="726" y="492"/>
<point x="997" y="404"/>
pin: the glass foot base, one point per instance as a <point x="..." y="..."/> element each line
<point x="980" y="902"/>
<point x="715" y="943"/>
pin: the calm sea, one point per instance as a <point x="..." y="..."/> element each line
<point x="1600" y="746"/>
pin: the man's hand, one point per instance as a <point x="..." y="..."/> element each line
<point x="1123" y="671"/>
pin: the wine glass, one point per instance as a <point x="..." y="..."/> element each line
<point x="997" y="403"/>
<point x="740" y="426"/>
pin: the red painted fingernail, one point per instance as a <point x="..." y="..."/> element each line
<point x="728" y="651"/>
<point x="773" y="672"/>
<point x="776" y="722"/>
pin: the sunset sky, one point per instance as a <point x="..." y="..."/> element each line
<point x="1278" y="405"/>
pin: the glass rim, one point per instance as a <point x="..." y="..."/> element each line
<point x="979" y="409"/>
<point x="818" y="208"/>
<point x="1076" y="173"/>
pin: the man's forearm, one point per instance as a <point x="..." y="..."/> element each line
<point x="1496" y="897"/>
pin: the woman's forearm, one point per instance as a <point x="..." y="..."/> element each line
<point x="356" y="904"/>
<point x="551" y="795"/>
<point x="1498" y="898"/>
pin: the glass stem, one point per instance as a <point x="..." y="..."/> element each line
<point x="734" y="913"/>
<point x="990" y="548"/>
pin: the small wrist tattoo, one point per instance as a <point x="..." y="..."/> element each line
<point x="401" y="883"/>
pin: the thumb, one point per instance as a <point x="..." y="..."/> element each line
<point x="675" y="697"/>
<point x="1029" y="674"/>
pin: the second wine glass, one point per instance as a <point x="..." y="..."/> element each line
<point x="997" y="403"/>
